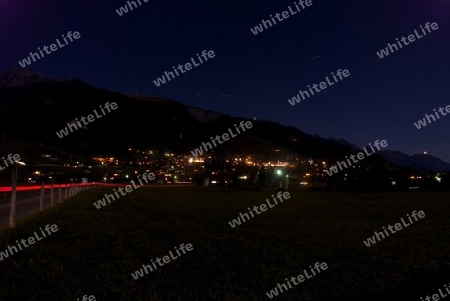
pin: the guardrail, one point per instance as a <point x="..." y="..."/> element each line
<point x="39" y="187"/>
<point x="70" y="190"/>
<point x="64" y="191"/>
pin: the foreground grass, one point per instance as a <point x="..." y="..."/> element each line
<point x="95" y="251"/>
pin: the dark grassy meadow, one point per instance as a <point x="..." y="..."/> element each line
<point x="95" y="251"/>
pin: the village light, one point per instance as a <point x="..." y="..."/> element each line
<point x="438" y="178"/>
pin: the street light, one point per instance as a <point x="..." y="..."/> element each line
<point x="279" y="174"/>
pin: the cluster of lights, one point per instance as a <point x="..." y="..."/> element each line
<point x="438" y="178"/>
<point x="277" y="164"/>
<point x="196" y="160"/>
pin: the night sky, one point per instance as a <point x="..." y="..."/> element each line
<point x="253" y="76"/>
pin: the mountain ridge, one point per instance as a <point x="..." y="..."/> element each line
<point x="147" y="121"/>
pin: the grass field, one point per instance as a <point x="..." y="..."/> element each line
<point x="95" y="251"/>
